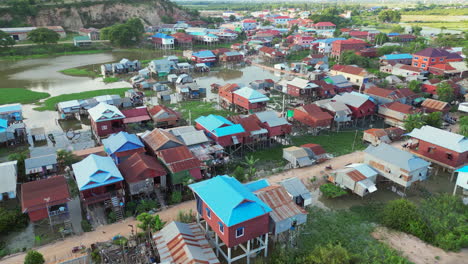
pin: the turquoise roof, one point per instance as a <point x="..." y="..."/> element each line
<point x="397" y="56"/>
<point x="219" y="125"/>
<point x="95" y="171"/>
<point x="463" y="169"/>
<point x="3" y="125"/>
<point x="231" y="201"/>
<point x="120" y="142"/>
<point x="252" y="95"/>
<point x="257" y="185"/>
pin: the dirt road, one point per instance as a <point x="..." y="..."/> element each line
<point x="418" y="251"/>
<point x="61" y="250"/>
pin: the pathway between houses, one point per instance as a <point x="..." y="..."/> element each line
<point x="416" y="250"/>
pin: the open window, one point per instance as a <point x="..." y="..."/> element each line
<point x="239" y="232"/>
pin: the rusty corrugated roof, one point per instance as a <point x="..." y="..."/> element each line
<point x="133" y="169"/>
<point x="157" y="138"/>
<point x="434" y="104"/>
<point x="178" y="159"/>
<point x="278" y="199"/>
<point x="356" y="176"/>
<point x="35" y="193"/>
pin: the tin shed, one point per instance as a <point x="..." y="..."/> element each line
<point x="298" y="191"/>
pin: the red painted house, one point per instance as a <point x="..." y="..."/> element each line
<point x="274" y="123"/>
<point x="359" y="104"/>
<point x="249" y="100"/>
<point x="303" y="40"/>
<point x="221" y="130"/>
<point x="231" y="56"/>
<point x="251" y="124"/>
<point x="325" y="90"/>
<point x="226" y="92"/>
<point x="430" y="86"/>
<point x="164" y="116"/>
<point x="271" y="53"/>
<point x="182" y="39"/>
<point x="340" y="46"/>
<point x="440" y="146"/>
<point x="313" y="116"/>
<point x="235" y="221"/>
<point x="106" y="119"/>
<point x="432" y="56"/>
<point x="299" y="87"/>
<point x="45" y="197"/>
<point x="181" y="164"/>
<point x="368" y="52"/>
<point x="136" y="115"/>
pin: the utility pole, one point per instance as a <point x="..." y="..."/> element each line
<point x="190" y="117"/>
<point x="47" y="200"/>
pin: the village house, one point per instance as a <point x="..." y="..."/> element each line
<point x="384" y="96"/>
<point x="181" y="164"/>
<point x="302" y="88"/>
<point x="105" y="120"/>
<point x="184" y="243"/>
<point x="11" y="112"/>
<point x="441" y="147"/>
<point x="432" y="105"/>
<point x="367" y="52"/>
<point x="231" y="56"/>
<point x="21" y="33"/>
<point x="432" y="56"/>
<point x="221" y="130"/>
<point x="340" y="46"/>
<point x="281" y="20"/>
<point x="359" y="104"/>
<point x="312" y="116"/>
<point x="142" y="173"/>
<point x="46" y="199"/>
<point x="163" y="41"/>
<point x="316" y="152"/>
<point x="430" y="86"/>
<point x="303" y="40"/>
<point x="164" y="117"/>
<point x="462" y="179"/>
<point x="285" y="215"/>
<point x="297" y="157"/>
<point x="162" y="67"/>
<point x="99" y="180"/>
<point x="398" y="166"/>
<point x="407" y="71"/>
<point x="324" y="28"/>
<point x="205" y="56"/>
<point x="41" y="166"/>
<point x="297" y="191"/>
<point x="276" y="125"/>
<point x="122" y="145"/>
<point x="375" y="136"/>
<point x="80" y="41"/>
<point x="392" y="59"/>
<point x="271" y="53"/>
<point x="325" y="45"/>
<point x="249" y="24"/>
<point x="234" y="221"/>
<point x="341" y="113"/>
<point x="359" y="178"/>
<point x="8" y="180"/>
<point x="248" y="100"/>
<point x="159" y="139"/>
<point x="12" y="132"/>
<point x="403" y="38"/>
<point x="342" y="85"/>
<point x="355" y="75"/>
<point x="395" y="113"/>
<point x="137" y="115"/>
<point x="182" y="39"/>
<point x="92" y="33"/>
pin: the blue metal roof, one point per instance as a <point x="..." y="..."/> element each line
<point x="401" y="56"/>
<point x="257" y="185"/>
<point x="10" y="108"/>
<point x="120" y="142"/>
<point x="3" y="125"/>
<point x="215" y="124"/>
<point x="393" y="34"/>
<point x="95" y="171"/>
<point x="463" y="169"/>
<point x="162" y="35"/>
<point x="231" y="201"/>
<point x="328" y="40"/>
<point x="204" y="54"/>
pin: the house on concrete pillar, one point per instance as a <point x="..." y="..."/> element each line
<point x="276" y="125"/>
<point x="462" y="179"/>
<point x="235" y="221"/>
<point x="221" y="130"/>
<point x="46" y="199"/>
<point x="360" y="104"/>
<point x="312" y="116"/>
<point x="98" y="180"/>
<point x="8" y="180"/>
<point x="106" y="119"/>
<point x="122" y="145"/>
<point x="398" y="166"/>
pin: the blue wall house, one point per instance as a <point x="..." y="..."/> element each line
<point x="122" y="145"/>
<point x="11" y="112"/>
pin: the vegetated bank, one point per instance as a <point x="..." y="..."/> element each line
<point x="20" y="95"/>
<point x="80" y="72"/>
<point x="42" y="51"/>
<point x="49" y="104"/>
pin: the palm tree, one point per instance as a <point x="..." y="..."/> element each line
<point x="442" y="28"/>
<point x="250" y="163"/>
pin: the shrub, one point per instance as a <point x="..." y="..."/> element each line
<point x="329" y="254"/>
<point x="186" y="217"/>
<point x="111" y="218"/>
<point x="34" y="257"/>
<point x="176" y="197"/>
<point x="330" y="190"/>
<point x="145" y="206"/>
<point x="239" y="174"/>
<point x="11" y="220"/>
<point x="86" y="226"/>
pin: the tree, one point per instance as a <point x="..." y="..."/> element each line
<point x="137" y="27"/>
<point x="389" y="16"/>
<point x="381" y="38"/>
<point x="433" y="119"/>
<point x="20" y="157"/>
<point x="398" y="29"/>
<point x="402" y="215"/>
<point x="232" y="18"/>
<point x="442" y="28"/>
<point x="239" y="174"/>
<point x="464" y="125"/>
<point x="416" y="30"/>
<point x="266" y="23"/>
<point x="415" y="86"/>
<point x="104" y="33"/>
<point x="250" y="162"/>
<point x="413" y="121"/>
<point x="34" y="257"/>
<point x="329" y="254"/>
<point x="330" y="190"/>
<point x="6" y="41"/>
<point x="66" y="158"/>
<point x="122" y="35"/>
<point x="43" y="36"/>
<point x="445" y="92"/>
<point x="150" y="223"/>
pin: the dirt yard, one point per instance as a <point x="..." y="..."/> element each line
<point x="418" y="251"/>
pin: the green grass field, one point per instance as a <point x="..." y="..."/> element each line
<point x="80" y="72"/>
<point x="111" y="79"/>
<point x="49" y="104"/>
<point x="336" y="143"/>
<point x="45" y="55"/>
<point x="20" y="95"/>
<point x="198" y="109"/>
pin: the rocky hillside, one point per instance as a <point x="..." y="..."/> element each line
<point x="97" y="14"/>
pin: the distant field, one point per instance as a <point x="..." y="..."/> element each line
<point x="429" y="18"/>
<point x="19" y="95"/>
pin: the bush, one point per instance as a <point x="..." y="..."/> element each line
<point x="34" y="257"/>
<point x="111" y="218"/>
<point x="329" y="254"/>
<point x="239" y="174"/>
<point x="330" y="190"/>
<point x="145" y="206"/>
<point x="86" y="226"/>
<point x="176" y="197"/>
<point x="186" y="217"/>
<point x="11" y="220"/>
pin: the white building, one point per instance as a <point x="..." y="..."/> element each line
<point x="462" y="179"/>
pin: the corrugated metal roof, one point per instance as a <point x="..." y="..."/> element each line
<point x="157" y="138"/>
<point x="252" y="95"/>
<point x="133" y="169"/>
<point x="219" y="125"/>
<point x="277" y="198"/>
<point x="95" y="171"/>
<point x="121" y="141"/>
<point x="401" y="56"/>
<point x="9" y="177"/>
<point x="356" y="175"/>
<point x="439" y="137"/>
<point x="36" y="162"/>
<point x="364" y="169"/>
<point x="229" y="210"/>
<point x="178" y="159"/>
<point x="10" y="108"/>
<point x="34" y="195"/>
<point x="353" y="99"/>
<point x="104" y="112"/>
<point x="397" y="157"/>
<point x="435" y="104"/>
<point x="295" y="187"/>
<point x="272" y="118"/>
<point x="184" y="244"/>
